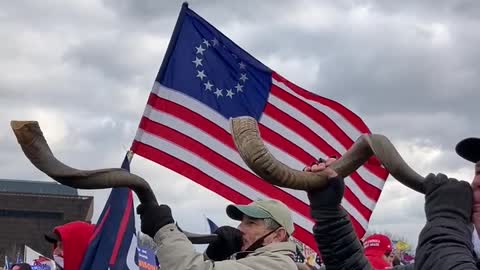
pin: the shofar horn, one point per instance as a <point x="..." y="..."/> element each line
<point x="35" y="147"/>
<point x="253" y="151"/>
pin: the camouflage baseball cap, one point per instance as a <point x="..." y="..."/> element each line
<point x="273" y="209"/>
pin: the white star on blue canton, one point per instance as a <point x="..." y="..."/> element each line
<point x="243" y="77"/>
<point x="230" y="93"/>
<point x="197" y="61"/>
<point x="208" y="86"/>
<point x="242" y="65"/>
<point x="215" y="42"/>
<point x="239" y="87"/>
<point x="218" y="92"/>
<point x="201" y="74"/>
<point x="200" y="49"/>
<point x="206" y="43"/>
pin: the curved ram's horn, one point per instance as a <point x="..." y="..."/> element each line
<point x="35" y="147"/>
<point x="258" y="158"/>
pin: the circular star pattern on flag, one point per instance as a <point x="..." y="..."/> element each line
<point x="209" y="86"/>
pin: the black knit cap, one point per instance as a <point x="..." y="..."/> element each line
<point x="469" y="149"/>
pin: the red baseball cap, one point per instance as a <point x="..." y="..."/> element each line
<point x="377" y="245"/>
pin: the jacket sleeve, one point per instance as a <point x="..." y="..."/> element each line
<point x="338" y="244"/>
<point x="446" y="240"/>
<point x="175" y="252"/>
<point x="445" y="243"/>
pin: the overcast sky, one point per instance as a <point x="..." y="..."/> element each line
<point x="84" y="70"/>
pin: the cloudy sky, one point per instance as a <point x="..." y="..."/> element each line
<point x="84" y="70"/>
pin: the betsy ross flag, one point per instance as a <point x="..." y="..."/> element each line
<point x="204" y="80"/>
<point x="113" y="244"/>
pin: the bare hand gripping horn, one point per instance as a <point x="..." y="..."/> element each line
<point x="35" y="147"/>
<point x="252" y="150"/>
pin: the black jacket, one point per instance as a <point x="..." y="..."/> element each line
<point x="334" y="234"/>
<point x="337" y="241"/>
<point x="445" y="241"/>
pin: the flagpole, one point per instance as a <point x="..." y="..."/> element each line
<point x="129" y="155"/>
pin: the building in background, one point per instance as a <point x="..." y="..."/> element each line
<point x="28" y="209"/>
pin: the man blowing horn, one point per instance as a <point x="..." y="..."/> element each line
<point x="260" y="243"/>
<point x="445" y="241"/>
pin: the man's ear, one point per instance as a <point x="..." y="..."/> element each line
<point x="281" y="234"/>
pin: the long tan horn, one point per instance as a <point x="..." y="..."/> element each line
<point x="253" y="151"/>
<point x="35" y="147"/>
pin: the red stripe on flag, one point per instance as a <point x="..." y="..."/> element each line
<point x="359" y="230"/>
<point x="191" y="117"/>
<point x="352" y="118"/>
<point x="322" y="120"/>
<point x="122" y="228"/>
<point x="306" y="237"/>
<point x="188" y="171"/>
<point x="319" y="117"/>
<point x="355" y="202"/>
<point x="287" y="146"/>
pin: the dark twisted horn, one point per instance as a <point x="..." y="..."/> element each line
<point x="200" y="239"/>
<point x="252" y="150"/>
<point x="36" y="149"/>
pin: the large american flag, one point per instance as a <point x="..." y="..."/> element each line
<point x="204" y="80"/>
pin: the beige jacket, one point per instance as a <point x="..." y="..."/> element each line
<point x="175" y="252"/>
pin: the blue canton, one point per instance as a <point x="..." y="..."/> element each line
<point x="206" y="65"/>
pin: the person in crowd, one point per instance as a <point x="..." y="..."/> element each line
<point x="265" y="228"/>
<point x="445" y="241"/>
<point x="70" y="242"/>
<point x="378" y="249"/>
<point x="21" y="266"/>
<point x="334" y="235"/>
<point x="450" y="207"/>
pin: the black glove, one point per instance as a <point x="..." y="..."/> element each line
<point x="447" y="197"/>
<point x="329" y="197"/>
<point x="153" y="217"/>
<point x="229" y="242"/>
